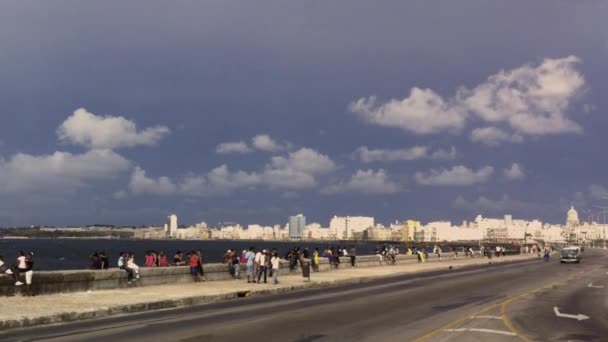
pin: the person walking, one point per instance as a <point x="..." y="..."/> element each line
<point x="276" y="266"/>
<point x="250" y="256"/>
<point x="353" y="255"/>
<point x="262" y="270"/>
<point x="315" y="260"/>
<point x="305" y="264"/>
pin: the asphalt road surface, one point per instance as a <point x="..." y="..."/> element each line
<point x="530" y="301"/>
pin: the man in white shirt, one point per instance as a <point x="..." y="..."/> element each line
<point x="262" y="266"/>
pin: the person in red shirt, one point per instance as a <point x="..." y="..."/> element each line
<point x="194" y="266"/>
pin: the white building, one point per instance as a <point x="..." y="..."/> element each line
<point x="345" y="227"/>
<point x="297" y="224"/>
<point x="171" y="226"/>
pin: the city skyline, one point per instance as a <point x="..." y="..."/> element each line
<point x="333" y="108"/>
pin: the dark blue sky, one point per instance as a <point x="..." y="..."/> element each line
<point x="481" y="108"/>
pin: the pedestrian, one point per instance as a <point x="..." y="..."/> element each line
<point x="132" y="265"/>
<point x="276" y="266"/>
<point x="228" y="262"/>
<point x="3" y="266"/>
<point x="103" y="260"/>
<point x="194" y="266"/>
<point x="305" y="264"/>
<point x="201" y="270"/>
<point x="353" y="255"/>
<point x="261" y="259"/>
<point x="336" y="259"/>
<point x="178" y="259"/>
<point x="315" y="260"/>
<point x="122" y="264"/>
<point x="250" y="265"/>
<point x="29" y="273"/>
<point x="236" y="265"/>
<point x="162" y="259"/>
<point x="149" y="259"/>
<point x="546" y="255"/>
<point x="19" y="267"/>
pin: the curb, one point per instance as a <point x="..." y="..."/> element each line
<point x="205" y="299"/>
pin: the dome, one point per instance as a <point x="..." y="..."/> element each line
<point x="572" y="218"/>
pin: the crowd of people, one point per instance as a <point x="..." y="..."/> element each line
<point x="259" y="265"/>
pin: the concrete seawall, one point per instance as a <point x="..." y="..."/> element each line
<point x="51" y="282"/>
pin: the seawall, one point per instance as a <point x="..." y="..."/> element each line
<point x="51" y="282"/>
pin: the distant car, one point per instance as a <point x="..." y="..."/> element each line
<point x="570" y="254"/>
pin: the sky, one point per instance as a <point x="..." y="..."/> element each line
<point x="123" y="112"/>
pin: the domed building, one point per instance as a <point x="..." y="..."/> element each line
<point x="572" y="218"/>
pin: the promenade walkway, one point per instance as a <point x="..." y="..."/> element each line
<point x="28" y="311"/>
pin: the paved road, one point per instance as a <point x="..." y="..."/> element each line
<point x="498" y="302"/>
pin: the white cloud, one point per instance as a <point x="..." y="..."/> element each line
<point x="106" y="132"/>
<point x="232" y="147"/>
<point x="140" y="184"/>
<point x="598" y="192"/>
<point x="368" y="181"/>
<point x="264" y="142"/>
<point x="492" y="136"/>
<point x="422" y="112"/>
<point x="515" y="172"/>
<point x="487" y="205"/>
<point x="528" y="100"/>
<point x="532" y="100"/>
<point x="305" y="160"/>
<point x="456" y="176"/>
<point x="295" y="171"/>
<point x="413" y="153"/>
<point x="59" y="172"/>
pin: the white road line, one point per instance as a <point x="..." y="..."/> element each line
<point x="487" y="317"/>
<point x="490" y="331"/>
<point x="500" y="332"/>
<point x="595" y="286"/>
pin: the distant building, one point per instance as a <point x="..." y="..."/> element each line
<point x="171" y="226"/>
<point x="297" y="224"/>
<point x="572" y="218"/>
<point x="348" y="227"/>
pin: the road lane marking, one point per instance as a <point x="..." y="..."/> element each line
<point x="487" y="317"/>
<point x="490" y="331"/>
<point x="579" y="317"/>
<point x="502" y="305"/>
<point x="595" y="286"/>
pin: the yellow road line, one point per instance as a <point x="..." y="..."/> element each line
<point x="482" y="311"/>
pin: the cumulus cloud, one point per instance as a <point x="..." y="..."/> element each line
<point x="232" y="147"/>
<point x="260" y="142"/>
<point x="59" y="172"/>
<point x="304" y="160"/>
<point x="531" y="100"/>
<point x="366" y="181"/>
<point x="422" y="112"/>
<point x="456" y="176"/>
<point x="297" y="170"/>
<point x="140" y="183"/>
<point x="492" y="136"/>
<point x="107" y="132"/>
<point x="515" y="172"/>
<point x="264" y="142"/>
<point x="367" y="155"/>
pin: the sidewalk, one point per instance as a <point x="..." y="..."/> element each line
<point x="29" y="311"/>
